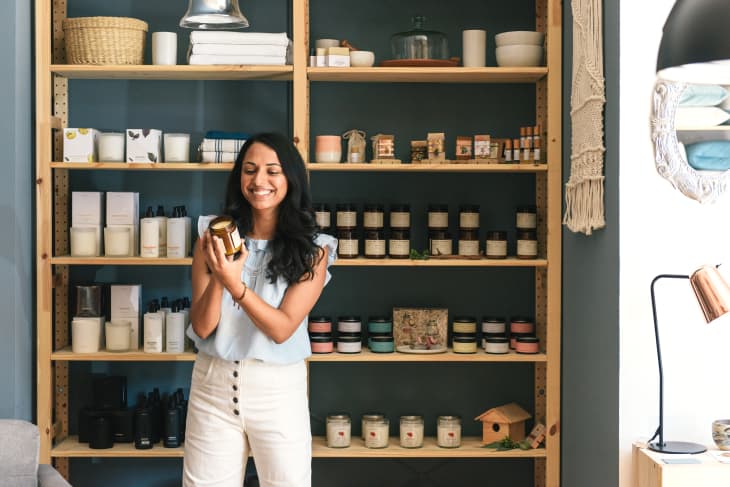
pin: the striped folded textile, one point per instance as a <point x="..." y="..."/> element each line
<point x="218" y="156"/>
<point x="222" y="145"/>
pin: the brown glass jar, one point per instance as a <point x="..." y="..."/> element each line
<point x="372" y="217"/>
<point x="400" y="217"/>
<point x="526" y="217"/>
<point x="469" y="217"/>
<point x="323" y="216"/>
<point x="468" y="243"/>
<point x="347" y="244"/>
<point x="399" y="244"/>
<point x="375" y="244"/>
<point x="496" y="245"/>
<point x="438" y="217"/>
<point x="439" y="243"/>
<point x="225" y="228"/>
<point x="346" y="218"/>
<point x="526" y="244"/>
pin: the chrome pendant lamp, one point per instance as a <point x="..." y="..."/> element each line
<point x="213" y="14"/>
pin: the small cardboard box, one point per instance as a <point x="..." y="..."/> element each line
<point x="87" y="208"/>
<point x="125" y="306"/>
<point x="79" y="145"/>
<point x="338" y="57"/>
<point x="144" y="145"/>
<point x="420" y="330"/>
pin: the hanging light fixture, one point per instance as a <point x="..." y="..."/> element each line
<point x="213" y="14"/>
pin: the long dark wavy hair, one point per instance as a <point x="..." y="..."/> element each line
<point x="293" y="251"/>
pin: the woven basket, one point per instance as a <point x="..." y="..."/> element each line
<point x="104" y="40"/>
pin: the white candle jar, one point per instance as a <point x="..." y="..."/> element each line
<point x="177" y="147"/>
<point x="83" y="242"/>
<point x="118" y="336"/>
<point x="448" y="431"/>
<point x="116" y="242"/>
<point x="111" y="147"/>
<point x="411" y="431"/>
<point x="338" y="430"/>
<point x="377" y="433"/>
<point x="85" y="335"/>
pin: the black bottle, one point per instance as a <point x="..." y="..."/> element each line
<point x="142" y="429"/>
<point x="171" y="439"/>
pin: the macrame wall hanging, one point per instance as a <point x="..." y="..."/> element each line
<point x="584" y="207"/>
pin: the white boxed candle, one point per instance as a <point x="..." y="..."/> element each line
<point x="118" y="336"/>
<point x="143" y="145"/>
<point x="177" y="147"/>
<point x="111" y="147"/>
<point x="117" y="241"/>
<point x="85" y="335"/>
<point x="86" y="208"/>
<point x="79" y="145"/>
<point x="85" y="241"/>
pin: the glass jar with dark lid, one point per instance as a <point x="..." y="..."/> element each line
<point x="380" y="324"/>
<point x="468" y="243"/>
<point x="439" y="243"/>
<point x="399" y="244"/>
<point x="438" y="216"/>
<point x="347" y="244"/>
<point x="464" y="324"/>
<point x="323" y="216"/>
<point x="375" y="244"/>
<point x="373" y="217"/>
<point x="469" y="217"/>
<point x="496" y="244"/>
<point x="526" y="217"/>
<point x="349" y="324"/>
<point x="494" y="324"/>
<point x="400" y="217"/>
<point x="526" y="244"/>
<point x="346" y="217"/>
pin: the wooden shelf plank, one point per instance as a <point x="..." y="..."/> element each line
<point x="70" y="447"/>
<point x="177" y="72"/>
<point x="429" y="75"/>
<point x="163" y="166"/>
<point x="357" y="262"/>
<point x="442" y="168"/>
<point x="471" y="447"/>
<point x="66" y="355"/>
<point x="449" y="356"/>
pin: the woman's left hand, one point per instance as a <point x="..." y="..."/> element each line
<point x="223" y="267"/>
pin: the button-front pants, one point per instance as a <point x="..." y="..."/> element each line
<point x="237" y="408"/>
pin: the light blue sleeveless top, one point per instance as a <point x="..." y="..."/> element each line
<point x="236" y="337"/>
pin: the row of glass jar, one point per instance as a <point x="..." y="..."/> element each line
<point x="373" y="217"/>
<point x="440" y="243"/>
<point x="459" y="324"/>
<point x="375" y="431"/>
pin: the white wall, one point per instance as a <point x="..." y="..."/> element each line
<point x="662" y="231"/>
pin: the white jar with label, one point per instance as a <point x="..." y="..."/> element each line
<point x="338" y="430"/>
<point x="411" y="431"/>
<point x="377" y="433"/>
<point x="448" y="431"/>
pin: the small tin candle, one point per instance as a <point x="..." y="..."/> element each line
<point x="381" y="343"/>
<point x="346" y="216"/>
<point x="438" y="216"/>
<point x="399" y="244"/>
<point x="349" y="324"/>
<point x="380" y="324"/>
<point x="338" y="430"/>
<point x="527" y="344"/>
<point x="367" y="417"/>
<point x="323" y="216"/>
<point x="464" y="343"/>
<point x="400" y="217"/>
<point x="493" y="324"/>
<point x="448" y="431"/>
<point x="373" y="217"/>
<point x="349" y="343"/>
<point x="320" y="324"/>
<point x="375" y="244"/>
<point x="464" y="324"/>
<point x="347" y="244"/>
<point x="469" y="217"/>
<point x="526" y="244"/>
<point x="526" y="217"/>
<point x="377" y="433"/>
<point x="468" y="243"/>
<point x="513" y="339"/>
<point x="496" y="344"/>
<point x="496" y="245"/>
<point x="411" y="431"/>
<point x="321" y="342"/>
<point x="225" y="228"/>
<point x="520" y="324"/>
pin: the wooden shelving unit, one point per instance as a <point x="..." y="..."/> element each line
<point x="53" y="262"/>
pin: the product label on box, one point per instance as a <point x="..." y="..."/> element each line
<point x="79" y="145"/>
<point x="143" y="145"/>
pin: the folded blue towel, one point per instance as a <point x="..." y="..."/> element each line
<point x="219" y="134"/>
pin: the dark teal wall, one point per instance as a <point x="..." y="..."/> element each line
<point x="590" y="409"/>
<point x="17" y="339"/>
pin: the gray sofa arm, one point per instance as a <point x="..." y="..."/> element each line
<point x="49" y="477"/>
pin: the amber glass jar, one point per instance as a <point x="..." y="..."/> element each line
<point x="496" y="245"/>
<point x="468" y="243"/>
<point x="375" y="244"/>
<point x="469" y="217"/>
<point x="399" y="244"/>
<point x="225" y="228"/>
<point x="372" y="217"/>
<point x="526" y="244"/>
<point x="526" y="217"/>
<point x="438" y="217"/>
<point x="347" y="245"/>
<point x="323" y="216"/>
<point x="439" y="243"/>
<point x="346" y="216"/>
<point x="400" y="217"/>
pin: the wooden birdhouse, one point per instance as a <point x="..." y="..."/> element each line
<point x="508" y="420"/>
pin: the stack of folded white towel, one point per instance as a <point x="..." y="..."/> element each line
<point x="221" y="146"/>
<point x="226" y="47"/>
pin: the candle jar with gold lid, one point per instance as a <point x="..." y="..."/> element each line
<point x="448" y="431"/>
<point x="225" y="228"/>
<point x="411" y="431"/>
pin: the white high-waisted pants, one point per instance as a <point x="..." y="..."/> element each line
<point x="247" y="406"/>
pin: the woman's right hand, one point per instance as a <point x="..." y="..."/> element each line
<point x="223" y="268"/>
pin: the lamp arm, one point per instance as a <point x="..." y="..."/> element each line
<point x="660" y="429"/>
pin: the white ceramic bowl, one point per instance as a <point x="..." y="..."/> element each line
<point x="519" y="37"/>
<point x="362" y="59"/>
<point x="519" y="55"/>
<point x="325" y="43"/>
